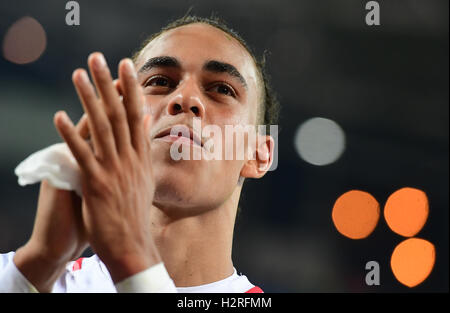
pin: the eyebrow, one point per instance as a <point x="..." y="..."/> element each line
<point x="221" y="67"/>
<point x="162" y="61"/>
<point x="210" y="66"/>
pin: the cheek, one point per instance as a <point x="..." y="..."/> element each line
<point x="228" y="111"/>
<point x="154" y="105"/>
<point x="234" y="142"/>
<point x="222" y="179"/>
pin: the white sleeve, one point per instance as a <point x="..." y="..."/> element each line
<point x="11" y="279"/>
<point x="153" y="279"/>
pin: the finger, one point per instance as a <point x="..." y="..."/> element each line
<point x="111" y="101"/>
<point x="116" y="83"/>
<point x="133" y="102"/>
<point x="99" y="126"/>
<point x="82" y="127"/>
<point x="147" y="123"/>
<point x="79" y="147"/>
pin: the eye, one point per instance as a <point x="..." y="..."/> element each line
<point x="224" y="89"/>
<point x="157" y="81"/>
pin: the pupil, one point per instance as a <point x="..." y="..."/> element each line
<point x="223" y="89"/>
<point x="161" y="82"/>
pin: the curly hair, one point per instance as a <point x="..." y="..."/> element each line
<point x="270" y="105"/>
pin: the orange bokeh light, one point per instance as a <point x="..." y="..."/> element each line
<point x="412" y="261"/>
<point x="406" y="211"/>
<point x="356" y="214"/>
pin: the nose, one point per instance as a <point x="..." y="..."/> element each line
<point x="187" y="99"/>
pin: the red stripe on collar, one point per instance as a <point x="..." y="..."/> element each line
<point x="77" y="265"/>
<point x="255" y="289"/>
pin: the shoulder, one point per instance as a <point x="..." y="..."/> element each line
<point x="243" y="285"/>
<point x="5" y="258"/>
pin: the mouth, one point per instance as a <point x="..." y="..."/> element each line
<point x="180" y="133"/>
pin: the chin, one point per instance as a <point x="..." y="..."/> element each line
<point x="177" y="189"/>
<point x="189" y="187"/>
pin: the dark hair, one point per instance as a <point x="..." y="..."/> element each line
<point x="270" y="104"/>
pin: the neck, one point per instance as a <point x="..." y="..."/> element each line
<point x="196" y="250"/>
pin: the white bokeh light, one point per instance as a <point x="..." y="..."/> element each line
<point x="319" y="141"/>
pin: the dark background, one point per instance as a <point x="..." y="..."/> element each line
<point x="386" y="86"/>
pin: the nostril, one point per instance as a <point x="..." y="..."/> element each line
<point x="177" y="107"/>
<point x="195" y="110"/>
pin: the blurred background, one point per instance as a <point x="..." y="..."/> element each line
<point x="381" y="93"/>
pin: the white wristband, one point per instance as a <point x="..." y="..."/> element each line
<point x="153" y="279"/>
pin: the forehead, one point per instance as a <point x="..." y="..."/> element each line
<point x="194" y="44"/>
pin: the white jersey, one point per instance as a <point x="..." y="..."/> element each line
<point x="91" y="275"/>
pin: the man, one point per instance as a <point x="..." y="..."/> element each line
<point x="141" y="210"/>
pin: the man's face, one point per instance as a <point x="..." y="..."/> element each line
<point x="195" y="71"/>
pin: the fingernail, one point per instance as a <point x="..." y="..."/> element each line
<point x="99" y="61"/>
<point x="83" y="77"/>
<point x="64" y="118"/>
<point x="129" y="66"/>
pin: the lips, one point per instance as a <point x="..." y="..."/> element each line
<point x="178" y="133"/>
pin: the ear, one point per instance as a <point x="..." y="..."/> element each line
<point x="259" y="165"/>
